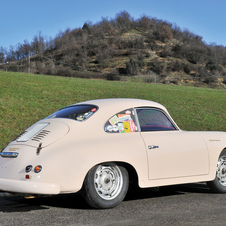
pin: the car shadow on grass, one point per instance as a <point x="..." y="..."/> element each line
<point x="76" y="201"/>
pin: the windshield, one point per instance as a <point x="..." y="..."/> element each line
<point x="76" y="112"/>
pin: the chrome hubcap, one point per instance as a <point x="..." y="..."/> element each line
<point x="221" y="171"/>
<point x="108" y="181"/>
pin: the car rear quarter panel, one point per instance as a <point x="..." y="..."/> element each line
<point x="83" y="148"/>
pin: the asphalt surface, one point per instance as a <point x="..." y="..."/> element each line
<point x="191" y="204"/>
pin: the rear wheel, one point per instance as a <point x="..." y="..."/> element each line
<point x="105" y="185"/>
<point x="219" y="183"/>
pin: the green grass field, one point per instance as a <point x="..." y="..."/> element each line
<point x="27" y="98"/>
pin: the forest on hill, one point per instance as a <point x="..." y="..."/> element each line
<point x="114" y="49"/>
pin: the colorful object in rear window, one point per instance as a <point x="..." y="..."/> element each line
<point x="123" y="122"/>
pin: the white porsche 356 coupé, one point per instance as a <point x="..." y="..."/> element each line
<point x="100" y="146"/>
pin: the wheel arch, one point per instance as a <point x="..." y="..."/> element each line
<point x="215" y="185"/>
<point x="133" y="176"/>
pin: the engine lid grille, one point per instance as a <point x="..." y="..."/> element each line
<point x="41" y="135"/>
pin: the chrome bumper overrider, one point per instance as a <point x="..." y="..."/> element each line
<point x="9" y="154"/>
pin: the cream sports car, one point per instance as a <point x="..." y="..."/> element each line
<point x="101" y="146"/>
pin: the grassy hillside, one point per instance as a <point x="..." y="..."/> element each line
<point x="27" y="98"/>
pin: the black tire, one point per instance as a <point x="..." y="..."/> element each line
<point x="105" y="185"/>
<point x="218" y="185"/>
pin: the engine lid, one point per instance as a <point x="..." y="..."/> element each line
<point x="45" y="132"/>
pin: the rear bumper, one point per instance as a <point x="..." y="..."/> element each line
<point x="28" y="187"/>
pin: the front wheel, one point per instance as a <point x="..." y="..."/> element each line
<point x="105" y="185"/>
<point x="219" y="183"/>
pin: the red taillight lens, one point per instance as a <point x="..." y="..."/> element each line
<point x="38" y="169"/>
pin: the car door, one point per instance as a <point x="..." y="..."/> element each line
<point x="171" y="153"/>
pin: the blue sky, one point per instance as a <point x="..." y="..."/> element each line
<point x="23" y="19"/>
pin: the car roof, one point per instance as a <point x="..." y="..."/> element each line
<point x="122" y="103"/>
<point x="109" y="107"/>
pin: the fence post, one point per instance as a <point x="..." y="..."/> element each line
<point x="29" y="70"/>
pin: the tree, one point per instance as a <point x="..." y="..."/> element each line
<point x="123" y="21"/>
<point x="85" y="27"/>
<point x="165" y="33"/>
<point x="38" y="43"/>
<point x="145" y="23"/>
<point x="106" y="26"/>
<point x="11" y="53"/>
<point x="26" y="48"/>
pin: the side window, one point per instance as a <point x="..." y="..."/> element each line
<point x="151" y="119"/>
<point x="122" y="122"/>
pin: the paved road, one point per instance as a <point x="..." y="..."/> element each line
<point x="183" y="205"/>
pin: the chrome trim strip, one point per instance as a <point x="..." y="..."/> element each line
<point x="153" y="146"/>
<point x="9" y="154"/>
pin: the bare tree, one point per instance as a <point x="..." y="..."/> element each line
<point x="38" y="44"/>
<point x="145" y="23"/>
<point x="11" y="53"/>
<point x="123" y="21"/>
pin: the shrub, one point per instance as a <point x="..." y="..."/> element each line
<point x="194" y="54"/>
<point x="176" y="66"/>
<point x="187" y="68"/>
<point x="64" y="71"/>
<point x="202" y="72"/>
<point x="41" y="68"/>
<point x="211" y="65"/>
<point x="156" y="66"/>
<point x="112" y="77"/>
<point x="210" y="79"/>
<point x="50" y="68"/>
<point x="133" y="66"/>
<point x="224" y="80"/>
<point x="165" y="53"/>
<point x="151" y="77"/>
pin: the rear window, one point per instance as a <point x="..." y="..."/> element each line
<point x="76" y="112"/>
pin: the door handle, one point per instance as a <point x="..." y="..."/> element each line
<point x="153" y="146"/>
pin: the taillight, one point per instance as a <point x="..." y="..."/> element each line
<point x="37" y="169"/>
<point x="28" y="168"/>
<point x="27" y="177"/>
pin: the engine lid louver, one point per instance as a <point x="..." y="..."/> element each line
<point x="41" y="135"/>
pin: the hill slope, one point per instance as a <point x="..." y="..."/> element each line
<point x="114" y="49"/>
